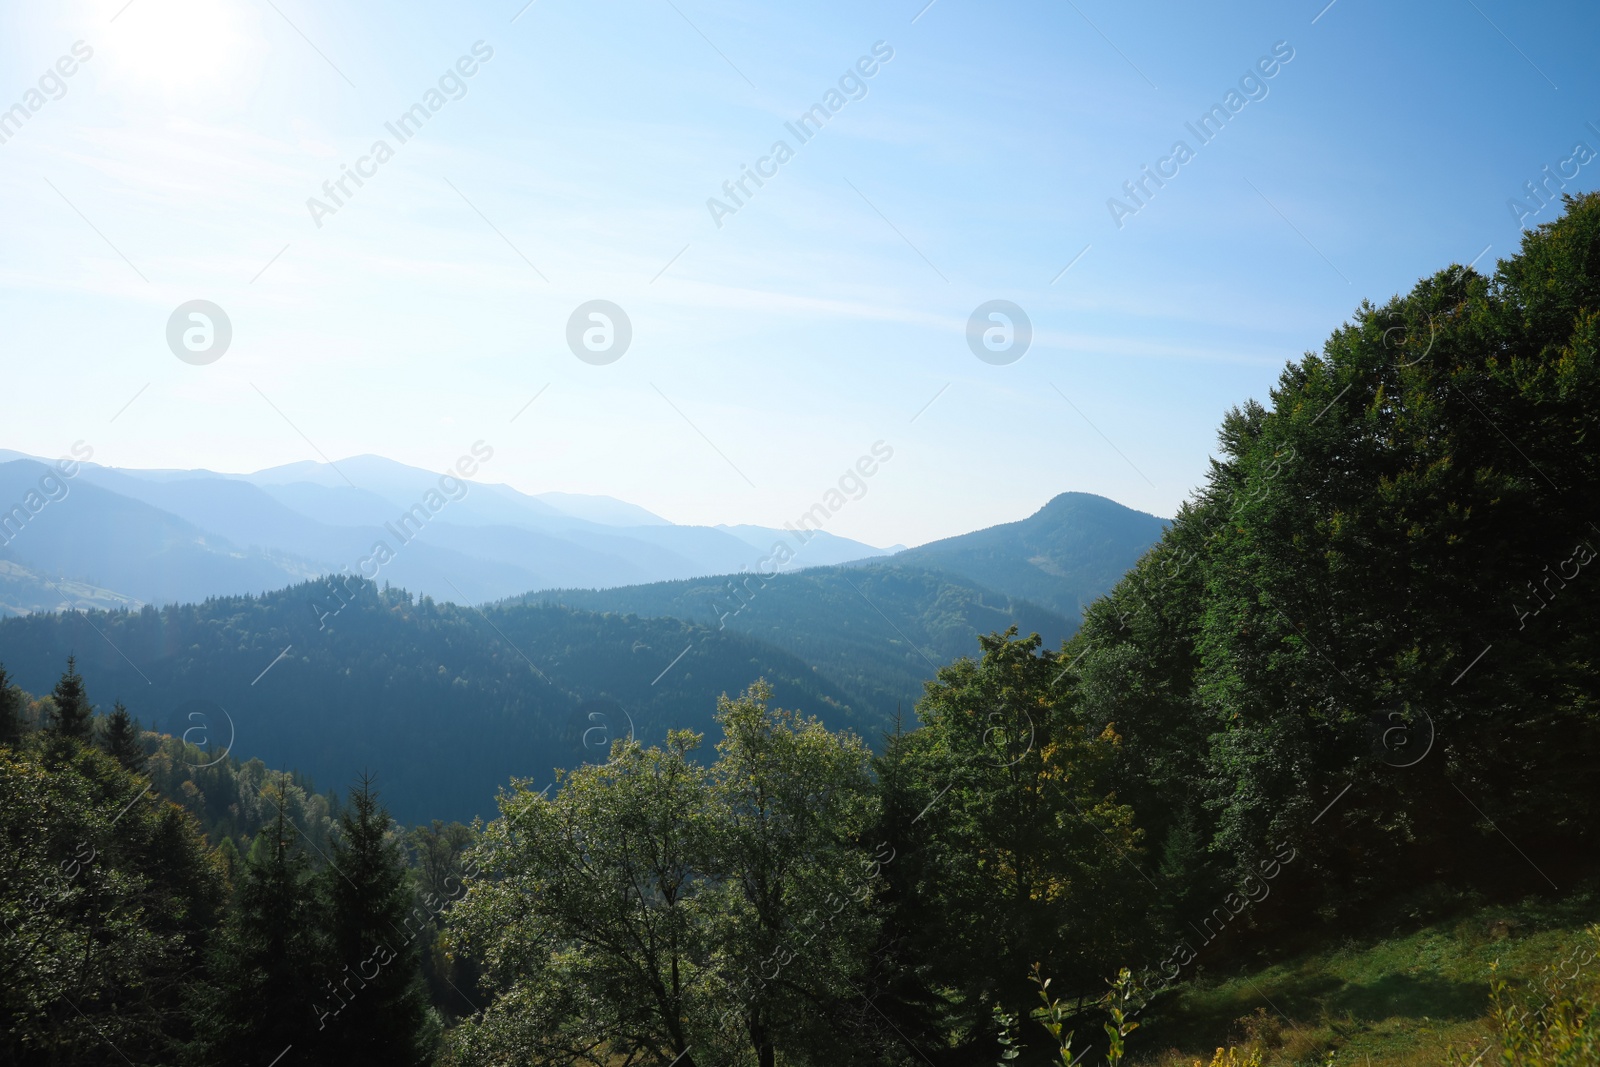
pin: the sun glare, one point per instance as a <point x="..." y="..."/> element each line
<point x="177" y="44"/>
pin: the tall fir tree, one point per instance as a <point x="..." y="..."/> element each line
<point x="381" y="1016"/>
<point x="122" y="739"/>
<point x="73" y="710"/>
<point x="269" y="961"/>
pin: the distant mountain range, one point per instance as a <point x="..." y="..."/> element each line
<point x="592" y="607"/>
<point x="159" y="537"/>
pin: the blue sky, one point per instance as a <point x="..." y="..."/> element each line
<point x="771" y="352"/>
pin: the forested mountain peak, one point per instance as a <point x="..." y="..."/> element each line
<point x="1062" y="556"/>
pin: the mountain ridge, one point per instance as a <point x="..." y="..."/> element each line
<point x="471" y="540"/>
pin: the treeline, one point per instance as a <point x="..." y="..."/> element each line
<point x="330" y="678"/>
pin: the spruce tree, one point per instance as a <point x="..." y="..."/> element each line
<point x="269" y="966"/>
<point x="375" y="927"/>
<point x="122" y="739"/>
<point x="72" y="705"/>
<point x="10" y="710"/>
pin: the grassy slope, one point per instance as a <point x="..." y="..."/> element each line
<point x="1397" y="1002"/>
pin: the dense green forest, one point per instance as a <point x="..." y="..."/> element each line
<point x="878" y="627"/>
<point x="878" y="631"/>
<point x="1349" y="692"/>
<point x="372" y="677"/>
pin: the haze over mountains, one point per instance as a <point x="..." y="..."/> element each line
<point x="108" y="537"/>
<point x="124" y="536"/>
<point x="243" y="596"/>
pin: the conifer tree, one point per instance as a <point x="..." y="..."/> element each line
<point x="381" y="1013"/>
<point x="122" y="739"/>
<point x="72" y="704"/>
<point x="270" y="960"/>
<point x="10" y="710"/>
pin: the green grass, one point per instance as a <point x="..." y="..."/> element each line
<point x="1399" y="1001"/>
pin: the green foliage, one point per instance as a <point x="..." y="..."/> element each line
<point x="270" y="960"/>
<point x="1053" y="1016"/>
<point x="438" y="850"/>
<point x="12" y="706"/>
<point x="1313" y="620"/>
<point x="587" y="920"/>
<point x="1010" y="1046"/>
<point x="791" y="875"/>
<point x="835" y="619"/>
<point x="72" y="710"/>
<point x="653" y="905"/>
<point x="438" y="861"/>
<point x="122" y="740"/>
<point x="236" y="800"/>
<point x="1016" y="849"/>
<point x="107" y="902"/>
<point x="374" y="928"/>
<point x="1560" y="1029"/>
<point x="1123" y="994"/>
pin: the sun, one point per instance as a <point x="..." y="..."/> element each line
<point x="177" y="45"/>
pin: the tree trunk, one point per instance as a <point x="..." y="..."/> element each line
<point x="766" y="1055"/>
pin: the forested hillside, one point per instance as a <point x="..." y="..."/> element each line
<point x="1063" y="556"/>
<point x="1371" y="632"/>
<point x="878" y="630"/>
<point x="450" y="702"/>
<point x="877" y="627"/>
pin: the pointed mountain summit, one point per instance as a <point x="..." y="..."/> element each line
<point x="1061" y="557"/>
